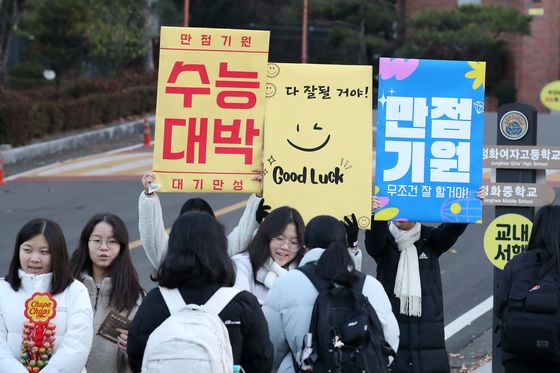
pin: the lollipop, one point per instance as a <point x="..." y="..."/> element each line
<point x="38" y="333"/>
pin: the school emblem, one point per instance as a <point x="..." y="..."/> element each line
<point x="514" y="125"/>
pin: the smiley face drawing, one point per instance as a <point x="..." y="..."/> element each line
<point x="272" y="70"/>
<point x="310" y="149"/>
<point x="363" y="222"/>
<point x="270" y="90"/>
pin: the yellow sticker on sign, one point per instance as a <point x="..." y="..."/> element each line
<point x="505" y="237"/>
<point x="550" y="95"/>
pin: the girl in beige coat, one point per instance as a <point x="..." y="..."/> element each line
<point x="102" y="263"/>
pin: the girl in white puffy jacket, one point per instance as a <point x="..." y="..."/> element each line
<point x="40" y="264"/>
<point x="289" y="304"/>
<point x="276" y="248"/>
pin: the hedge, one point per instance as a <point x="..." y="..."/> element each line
<point x="27" y="115"/>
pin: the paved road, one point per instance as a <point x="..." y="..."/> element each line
<point x="72" y="191"/>
<point x="71" y="200"/>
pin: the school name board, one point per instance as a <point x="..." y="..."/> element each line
<point x="533" y="157"/>
<point x="429" y="140"/>
<point x="210" y="109"/>
<point x="519" y="194"/>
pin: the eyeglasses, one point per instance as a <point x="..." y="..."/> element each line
<point x="95" y="243"/>
<point x="292" y="246"/>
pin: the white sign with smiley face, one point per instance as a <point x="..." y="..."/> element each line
<point x="318" y="140"/>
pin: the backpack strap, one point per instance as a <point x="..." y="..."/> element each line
<point x="310" y="271"/>
<point x="320" y="284"/>
<point x="220" y="299"/>
<point x="173" y="299"/>
<point x="360" y="282"/>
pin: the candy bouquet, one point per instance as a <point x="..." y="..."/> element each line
<point x="38" y="341"/>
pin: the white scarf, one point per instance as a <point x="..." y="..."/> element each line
<point x="270" y="271"/>
<point x="407" y="281"/>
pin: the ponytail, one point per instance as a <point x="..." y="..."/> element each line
<point x="336" y="264"/>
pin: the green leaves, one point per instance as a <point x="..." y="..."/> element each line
<point x="358" y="30"/>
<point x="79" y="35"/>
<point x="489" y="19"/>
<point x="471" y="32"/>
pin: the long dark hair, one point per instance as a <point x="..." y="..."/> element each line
<point x="335" y="263"/>
<point x="546" y="235"/>
<point x="196" y="253"/>
<point x="126" y="288"/>
<point x="197" y="204"/>
<point x="272" y="226"/>
<point x="62" y="277"/>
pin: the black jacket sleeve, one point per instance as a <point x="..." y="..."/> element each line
<point x="257" y="353"/>
<point x="377" y="239"/>
<point x="151" y="314"/>
<point x="501" y="293"/>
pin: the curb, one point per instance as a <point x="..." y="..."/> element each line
<point x="486" y="368"/>
<point x="40" y="150"/>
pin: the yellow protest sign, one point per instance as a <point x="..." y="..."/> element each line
<point x="210" y="107"/>
<point x="318" y="140"/>
<point x="505" y="237"/>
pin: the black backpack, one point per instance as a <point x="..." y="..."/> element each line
<point x="531" y="317"/>
<point x="345" y="334"/>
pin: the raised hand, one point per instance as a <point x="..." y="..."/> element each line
<point x="259" y="178"/>
<point x="147" y="178"/>
<point x="352" y="229"/>
<point x="262" y="212"/>
<point x="481" y="194"/>
<point x="375" y="203"/>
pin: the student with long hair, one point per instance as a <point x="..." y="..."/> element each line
<point x="197" y="264"/>
<point x="102" y="263"/>
<point x="40" y="264"/>
<point x="521" y="282"/>
<point x="152" y="229"/>
<point x="289" y="304"/>
<point x="276" y="248"/>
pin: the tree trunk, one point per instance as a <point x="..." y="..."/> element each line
<point x="399" y="29"/>
<point x="362" y="49"/>
<point x="148" y="61"/>
<point x="10" y="13"/>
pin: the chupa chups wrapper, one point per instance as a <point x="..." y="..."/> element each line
<point x="38" y="337"/>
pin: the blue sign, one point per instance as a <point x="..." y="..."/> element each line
<point x="429" y="140"/>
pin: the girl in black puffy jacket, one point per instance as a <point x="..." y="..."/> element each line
<point x="197" y="264"/>
<point x="522" y="276"/>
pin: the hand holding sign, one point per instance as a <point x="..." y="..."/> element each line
<point x="352" y="230"/>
